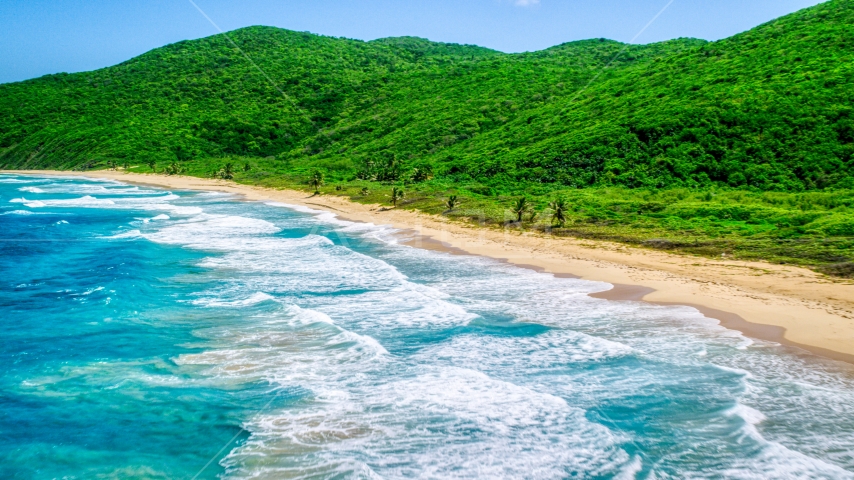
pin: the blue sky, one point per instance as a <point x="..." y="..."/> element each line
<point x="41" y="37"/>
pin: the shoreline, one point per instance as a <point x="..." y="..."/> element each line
<point x="793" y="306"/>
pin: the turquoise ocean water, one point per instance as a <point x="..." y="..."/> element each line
<point x="154" y="334"/>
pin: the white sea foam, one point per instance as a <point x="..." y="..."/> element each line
<point x="331" y="218"/>
<point x="296" y="346"/>
<point x="751" y="416"/>
<point x="119" y="196"/>
<point x="162" y="197"/>
<point x="357" y="409"/>
<point x="177" y="210"/>
<point x="631" y="469"/>
<point x="313" y="262"/>
<point x="92" y="290"/>
<point x="18" y="212"/>
<point x="156" y="218"/>
<point x="6" y="178"/>
<point x="306" y="347"/>
<point x="549" y="350"/>
<point x="254" y="299"/>
<point x="28" y="203"/>
<point x="102" y="188"/>
<point x="212" y="232"/>
<point x="296" y="208"/>
<point x="87" y="201"/>
<point x="428" y="425"/>
<point x="214" y="194"/>
<point x="775" y="460"/>
<point x="158" y="203"/>
<point x="402" y="378"/>
<point x="31" y="190"/>
<point x="737" y="371"/>
<point x="126" y="234"/>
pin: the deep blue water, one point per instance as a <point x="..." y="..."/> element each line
<point x="154" y="334"/>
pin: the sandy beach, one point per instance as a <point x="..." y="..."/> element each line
<point x="781" y="303"/>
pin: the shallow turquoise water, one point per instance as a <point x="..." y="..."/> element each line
<point x="153" y="334"/>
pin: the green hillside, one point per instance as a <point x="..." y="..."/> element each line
<point x="206" y="98"/>
<point x="743" y="146"/>
<point x="770" y="108"/>
<point x="203" y="98"/>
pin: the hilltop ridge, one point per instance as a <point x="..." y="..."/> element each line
<point x="204" y="98"/>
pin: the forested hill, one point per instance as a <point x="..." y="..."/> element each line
<point x="770" y="108"/>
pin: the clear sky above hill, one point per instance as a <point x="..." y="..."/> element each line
<point x="49" y="36"/>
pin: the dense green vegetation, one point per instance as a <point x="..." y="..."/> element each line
<point x="742" y="147"/>
<point x="814" y="229"/>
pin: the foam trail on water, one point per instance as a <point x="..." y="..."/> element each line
<point x="18" y="212"/>
<point x="11" y="179"/>
<point x="117" y="189"/>
<point x="380" y="232"/>
<point x="87" y="201"/>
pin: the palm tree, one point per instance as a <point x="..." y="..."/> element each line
<point x="364" y="191"/>
<point x="228" y="171"/>
<point x="559" y="207"/>
<point x="152" y="165"/>
<point x="397" y="195"/>
<point x="520" y="207"/>
<point x="451" y="203"/>
<point x="316" y="181"/>
<point x="533" y="216"/>
<point x="247" y="167"/>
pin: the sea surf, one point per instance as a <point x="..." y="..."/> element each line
<point x="157" y="334"/>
